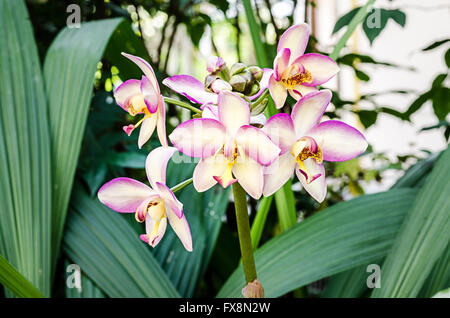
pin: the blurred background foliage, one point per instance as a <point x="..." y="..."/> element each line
<point x="106" y="152"/>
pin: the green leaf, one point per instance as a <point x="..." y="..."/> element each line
<point x="109" y="251"/>
<point x="356" y="20"/>
<point x="345" y="19"/>
<point x="435" y="44"/>
<point x="128" y="159"/>
<point x="352" y="283"/>
<point x="376" y="21"/>
<point x="441" y="102"/>
<point x="10" y="278"/>
<point x="260" y="220"/>
<point x="25" y="171"/>
<point x="340" y="237"/>
<point x="422" y="238"/>
<point x="367" y="117"/>
<point x="348" y="284"/>
<point x="439" y="277"/>
<point x="69" y="69"/>
<point x="362" y="76"/>
<point x="447" y="58"/>
<point x="255" y="32"/>
<point x="415" y="106"/>
<point x="88" y="288"/>
<point x="285" y="202"/>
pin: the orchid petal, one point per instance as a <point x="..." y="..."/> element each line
<point x="145" y="68"/>
<point x="205" y="171"/>
<point x="308" y="111"/>
<point x="234" y="111"/>
<point x="152" y="238"/>
<point x="250" y="175"/>
<point x="281" y="62"/>
<point x="124" y="194"/>
<point x="278" y="173"/>
<point x="321" y="67"/>
<point x="301" y="90"/>
<point x="277" y="91"/>
<point x="280" y="130"/>
<point x="338" y="141"/>
<point x="258" y="119"/>
<point x="257" y="145"/>
<point x="198" y="137"/>
<point x="147" y="128"/>
<point x="126" y="90"/>
<point x="295" y="38"/>
<point x="181" y="228"/>
<point x="169" y="198"/>
<point x="263" y="83"/>
<point x="191" y="88"/>
<point x="210" y="111"/>
<point x="161" y="123"/>
<point x="317" y="188"/>
<point x="141" y="211"/>
<point x="151" y="96"/>
<point x="156" y="164"/>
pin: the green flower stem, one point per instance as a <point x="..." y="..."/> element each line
<point x="243" y="225"/>
<point x="261" y="98"/>
<point x="182" y="104"/>
<point x="181" y="185"/>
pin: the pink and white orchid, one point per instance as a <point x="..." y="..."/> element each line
<point x="194" y="90"/>
<point x="143" y="97"/>
<point x="227" y="145"/>
<point x="296" y="72"/>
<point x="155" y="205"/>
<point x="305" y="144"/>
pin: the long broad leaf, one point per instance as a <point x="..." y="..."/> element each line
<point x="422" y="238"/>
<point x="343" y="236"/>
<point x="69" y="69"/>
<point x="352" y="283"/>
<point x="25" y="197"/>
<point x="109" y="251"/>
<point x="15" y="282"/>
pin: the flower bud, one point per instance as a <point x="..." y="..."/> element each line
<point x="215" y="64"/>
<point x="253" y="289"/>
<point x="256" y="72"/>
<point x="238" y="83"/>
<point x="254" y="89"/>
<point x="209" y="80"/>
<point x="237" y="68"/>
<point x="259" y="108"/>
<point x="219" y="85"/>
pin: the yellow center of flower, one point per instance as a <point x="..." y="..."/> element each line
<point x="303" y="149"/>
<point x="227" y="176"/>
<point x="294" y="76"/>
<point x="136" y="105"/>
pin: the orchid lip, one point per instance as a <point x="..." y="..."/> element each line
<point x="305" y="148"/>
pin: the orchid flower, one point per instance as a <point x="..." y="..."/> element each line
<point x="296" y="72"/>
<point x="195" y="91"/>
<point x="227" y="145"/>
<point x="155" y="205"/>
<point x="305" y="144"/>
<point x="143" y="97"/>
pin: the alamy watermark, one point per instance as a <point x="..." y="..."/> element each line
<point x="74" y="19"/>
<point x="74" y="277"/>
<point x="374" y="279"/>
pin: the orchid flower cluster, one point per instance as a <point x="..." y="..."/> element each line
<point x="232" y="138"/>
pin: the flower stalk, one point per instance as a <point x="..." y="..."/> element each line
<point x="181" y="185"/>
<point x="182" y="104"/>
<point x="243" y="225"/>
